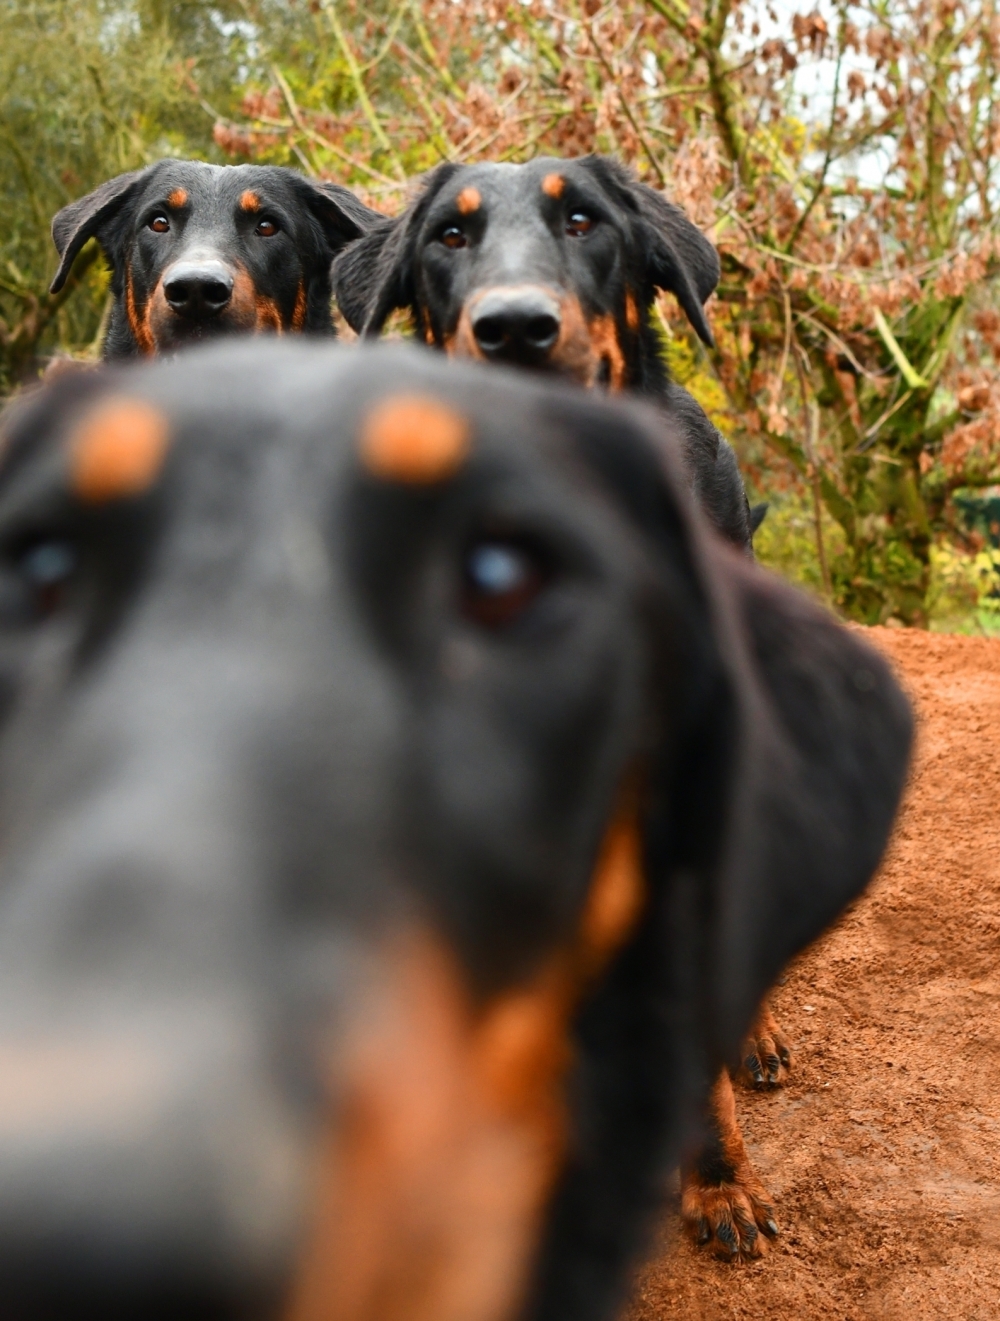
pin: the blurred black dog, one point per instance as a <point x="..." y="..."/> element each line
<point x="201" y="250"/>
<point x="403" y="807"/>
<point x="552" y="265"/>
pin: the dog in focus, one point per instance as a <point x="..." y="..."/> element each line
<point x="552" y="265"/>
<point x="404" y="804"/>
<point x="200" y="250"/>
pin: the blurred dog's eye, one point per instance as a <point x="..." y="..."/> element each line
<point x="159" y="224"/>
<point x="42" y="573"/>
<point x="452" y="237"/>
<point x="266" y="229"/>
<point x="501" y="579"/>
<point x="578" y="224"/>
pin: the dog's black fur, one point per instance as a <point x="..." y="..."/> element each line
<point x="200" y="250"/>
<point x="299" y="696"/>
<point x="516" y="277"/>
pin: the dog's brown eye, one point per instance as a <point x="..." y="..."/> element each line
<point x="159" y="224"/>
<point x="453" y="237"/>
<point x="578" y="224"/>
<point x="266" y="229"/>
<point x="501" y="581"/>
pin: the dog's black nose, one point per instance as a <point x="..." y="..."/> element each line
<point x="198" y="290"/>
<point x="519" y="324"/>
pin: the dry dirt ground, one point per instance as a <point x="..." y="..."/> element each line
<point x="883" y="1152"/>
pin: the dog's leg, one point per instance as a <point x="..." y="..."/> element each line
<point x="765" y="1057"/>
<point x="722" y="1200"/>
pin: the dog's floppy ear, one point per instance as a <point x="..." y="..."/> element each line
<point x="343" y="216"/>
<point x="374" y="275"/>
<point x="83" y="219"/>
<point x="783" y="782"/>
<point x="678" y="257"/>
<point x="825" y="736"/>
<point x="371" y="277"/>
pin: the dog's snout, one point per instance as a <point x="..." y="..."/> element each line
<point x="198" y="289"/>
<point x="520" y="324"/>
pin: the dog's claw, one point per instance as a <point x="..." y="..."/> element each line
<point x="766" y="1055"/>
<point x="736" y="1218"/>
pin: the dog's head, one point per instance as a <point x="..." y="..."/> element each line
<point x="551" y="265"/>
<point x="202" y="250"/>
<point x="403" y="806"/>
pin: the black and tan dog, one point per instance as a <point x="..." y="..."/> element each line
<point x="403" y="805"/>
<point x="552" y="265"/>
<point x="201" y="250"/>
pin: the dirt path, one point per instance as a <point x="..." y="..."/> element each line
<point x="883" y="1153"/>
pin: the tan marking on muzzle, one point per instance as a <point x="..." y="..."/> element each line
<point x="249" y="200"/>
<point x="607" y="351"/>
<point x="139" y="321"/>
<point x="177" y="198"/>
<point x="118" y="451"/>
<point x="468" y="200"/>
<point x="553" y="185"/>
<point x="631" y="312"/>
<point x="415" y="439"/>
<point x="452" y="1126"/>
<point x="299" y="311"/>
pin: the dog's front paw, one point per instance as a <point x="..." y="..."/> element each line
<point x="733" y="1219"/>
<point x="765" y="1056"/>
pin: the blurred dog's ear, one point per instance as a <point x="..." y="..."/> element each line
<point x="792" y="752"/>
<point x="781" y="779"/>
<point x="343" y="216"/>
<point x="824" y="745"/>
<point x="374" y="275"/>
<point x="85" y="218"/>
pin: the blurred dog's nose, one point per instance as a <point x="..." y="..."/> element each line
<point x="198" y="290"/>
<point x="519" y="324"/>
<point x="145" y="1179"/>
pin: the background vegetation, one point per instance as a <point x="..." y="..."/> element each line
<point x="844" y="160"/>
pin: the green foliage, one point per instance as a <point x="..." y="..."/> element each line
<point x="786" y="540"/>
<point x="964" y="595"/>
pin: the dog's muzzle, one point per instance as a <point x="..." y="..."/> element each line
<point x="520" y="324"/>
<point x="198" y="288"/>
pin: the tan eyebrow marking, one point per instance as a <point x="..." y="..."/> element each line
<point x="177" y="198"/>
<point x="413" y="438"/>
<point x="118" y="451"/>
<point x="553" y="185"/>
<point x="249" y="201"/>
<point x="468" y="200"/>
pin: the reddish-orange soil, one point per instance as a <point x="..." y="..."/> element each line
<point x="883" y="1152"/>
